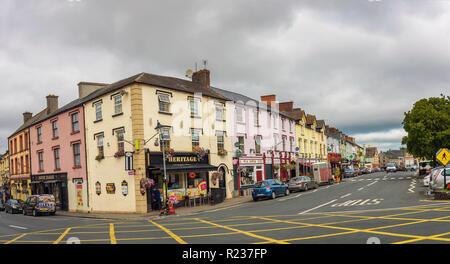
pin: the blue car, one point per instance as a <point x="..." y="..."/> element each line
<point x="269" y="188"/>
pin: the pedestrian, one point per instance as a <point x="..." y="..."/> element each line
<point x="156" y="199"/>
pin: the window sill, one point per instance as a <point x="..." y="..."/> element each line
<point x="55" y="138"/>
<point x="75" y="132"/>
<point x="57" y="170"/>
<point x="96" y="121"/>
<point x="40" y="171"/>
<point x="38" y="143"/>
<point x="76" y="167"/>
<point x="119" y="114"/>
<point x="197" y="117"/>
<point x="164" y="113"/>
<point x="220" y="120"/>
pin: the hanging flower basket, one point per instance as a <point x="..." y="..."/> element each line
<point x="168" y="152"/>
<point x="100" y="157"/>
<point x="119" y="153"/>
<point x="276" y="167"/>
<point x="199" y="152"/>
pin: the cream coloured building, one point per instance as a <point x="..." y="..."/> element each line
<point x="122" y="117"/>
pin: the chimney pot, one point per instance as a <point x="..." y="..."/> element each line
<point x="27" y="116"/>
<point x="202" y="77"/>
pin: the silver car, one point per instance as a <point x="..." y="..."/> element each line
<point x="302" y="183"/>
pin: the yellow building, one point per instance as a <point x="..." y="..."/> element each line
<point x="4" y="175"/>
<point x="121" y="118"/>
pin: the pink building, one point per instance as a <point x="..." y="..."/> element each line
<point x="58" y="159"/>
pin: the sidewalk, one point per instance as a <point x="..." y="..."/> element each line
<point x="181" y="211"/>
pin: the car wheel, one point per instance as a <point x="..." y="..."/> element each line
<point x="306" y="187"/>
<point x="287" y="192"/>
<point x="255" y="199"/>
<point x="273" y="195"/>
<point x="24" y="212"/>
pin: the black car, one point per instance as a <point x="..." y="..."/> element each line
<point x="2" y="206"/>
<point x="12" y="206"/>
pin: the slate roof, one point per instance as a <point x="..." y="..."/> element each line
<point x="310" y="119"/>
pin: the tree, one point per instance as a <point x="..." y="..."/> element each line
<point x="428" y="127"/>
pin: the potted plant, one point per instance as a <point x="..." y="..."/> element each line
<point x="100" y="156"/>
<point x="119" y="153"/>
<point x="199" y="152"/>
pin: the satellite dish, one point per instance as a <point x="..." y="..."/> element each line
<point x="189" y="73"/>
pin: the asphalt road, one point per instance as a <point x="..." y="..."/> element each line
<point x="373" y="208"/>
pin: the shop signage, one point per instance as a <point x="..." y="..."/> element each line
<point x="124" y="188"/>
<point x="110" y="188"/>
<point x="182" y="159"/>
<point x="98" y="188"/>
<point x="192" y="175"/>
<point x="128" y="161"/>
<point x="79" y="189"/>
<point x="155" y="158"/>
<point x="250" y="161"/>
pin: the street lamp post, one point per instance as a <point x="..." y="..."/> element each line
<point x="159" y="128"/>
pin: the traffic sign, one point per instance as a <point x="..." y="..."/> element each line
<point x="443" y="155"/>
<point x="128" y="161"/>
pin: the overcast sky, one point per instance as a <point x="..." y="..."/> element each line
<point x="359" y="65"/>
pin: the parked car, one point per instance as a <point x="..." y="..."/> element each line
<point x="2" y="206"/>
<point x="433" y="173"/>
<point x="358" y="171"/>
<point x="364" y="170"/>
<point x="40" y="204"/>
<point x="424" y="167"/>
<point x="12" y="206"/>
<point x="302" y="183"/>
<point x="438" y="178"/>
<point x="349" y="173"/>
<point x="269" y="188"/>
<point x="391" y="167"/>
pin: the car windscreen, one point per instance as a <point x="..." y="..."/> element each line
<point x="46" y="199"/>
<point x="13" y="202"/>
<point x="261" y="184"/>
<point x="390" y="165"/>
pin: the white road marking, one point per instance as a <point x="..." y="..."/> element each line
<point x="346" y="195"/>
<point x="360" y="188"/>
<point x="304" y="212"/>
<point x="412" y="186"/>
<point x="19" y="227"/>
<point x="372" y="183"/>
<point x="298" y="195"/>
<point x="401" y="178"/>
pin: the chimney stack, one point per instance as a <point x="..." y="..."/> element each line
<point x="86" y="88"/>
<point x="269" y="100"/>
<point x="52" y="103"/>
<point x="202" y="77"/>
<point x="286" y="106"/>
<point x="27" y="116"/>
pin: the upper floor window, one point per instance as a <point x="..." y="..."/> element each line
<point x="258" y="144"/>
<point x="75" y="123"/>
<point x="284" y="142"/>
<point x="220" y="141"/>
<point x="120" y="140"/>
<point x="15" y="145"/>
<point x="291" y="144"/>
<point x="117" y="104"/>
<point x="241" y="143"/>
<point x="76" y="155"/>
<point x="98" y="111"/>
<point x="41" y="160"/>
<point x="256" y="118"/>
<point x="193" y="103"/>
<point x="55" y="129"/>
<point x="56" y="156"/>
<point x="21" y="143"/>
<point x="164" y="103"/>
<point x="39" y="134"/>
<point x="195" y="137"/>
<point x="219" y="112"/>
<point x="283" y="125"/>
<point x="100" y="144"/>
<point x="26" y="140"/>
<point x="239" y="114"/>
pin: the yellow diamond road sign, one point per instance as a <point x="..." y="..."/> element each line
<point x="443" y="156"/>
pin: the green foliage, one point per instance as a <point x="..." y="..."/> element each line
<point x="428" y="127"/>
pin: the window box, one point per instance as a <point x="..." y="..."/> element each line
<point x="100" y="156"/>
<point x="222" y="152"/>
<point x="119" y="153"/>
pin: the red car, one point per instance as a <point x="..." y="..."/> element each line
<point x="358" y="171"/>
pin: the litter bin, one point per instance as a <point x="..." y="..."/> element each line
<point x="217" y="195"/>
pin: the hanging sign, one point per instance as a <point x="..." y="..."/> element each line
<point x="124" y="188"/>
<point x="128" y="161"/>
<point x="79" y="189"/>
<point x="98" y="188"/>
<point x="110" y="188"/>
<point x="192" y="175"/>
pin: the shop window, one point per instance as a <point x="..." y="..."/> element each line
<point x="284" y="142"/>
<point x="175" y="182"/>
<point x="247" y="176"/>
<point x="55" y="129"/>
<point x="75" y="123"/>
<point x="98" y="111"/>
<point x="56" y="156"/>
<point x="117" y="104"/>
<point x="76" y="155"/>
<point x="193" y="182"/>
<point x="164" y="103"/>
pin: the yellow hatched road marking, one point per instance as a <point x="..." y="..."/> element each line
<point x="244" y="232"/>
<point x="170" y="233"/>
<point x="62" y="236"/>
<point x="419" y="239"/>
<point x="112" y="235"/>
<point x="15" y="239"/>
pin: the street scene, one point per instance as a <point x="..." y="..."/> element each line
<point x="247" y="124"/>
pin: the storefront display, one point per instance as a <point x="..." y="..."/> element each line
<point x="55" y="184"/>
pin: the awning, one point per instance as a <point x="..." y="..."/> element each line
<point x="184" y="167"/>
<point x="35" y="182"/>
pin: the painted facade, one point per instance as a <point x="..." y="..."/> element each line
<point x="19" y="164"/>
<point x="4" y="176"/>
<point x="123" y="117"/>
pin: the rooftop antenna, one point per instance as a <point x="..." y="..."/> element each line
<point x="204" y="64"/>
<point x="196" y="66"/>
